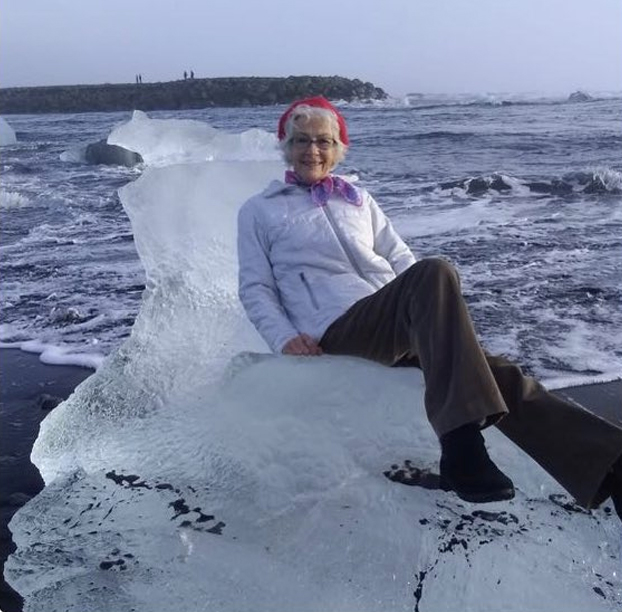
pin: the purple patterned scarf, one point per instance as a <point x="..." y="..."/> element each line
<point x="322" y="190"/>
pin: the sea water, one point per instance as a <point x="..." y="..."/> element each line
<point x="194" y="470"/>
<point x="521" y="193"/>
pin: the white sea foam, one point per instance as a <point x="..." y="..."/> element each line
<point x="59" y="355"/>
<point x="611" y="179"/>
<point x="432" y="100"/>
<point x="454" y="218"/>
<point x="12" y="199"/>
<point x="7" y="134"/>
<point x="190" y="473"/>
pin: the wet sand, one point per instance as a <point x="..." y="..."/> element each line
<point x="25" y="384"/>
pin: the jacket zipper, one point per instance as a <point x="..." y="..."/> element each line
<point x="345" y="248"/>
<point x="305" y="282"/>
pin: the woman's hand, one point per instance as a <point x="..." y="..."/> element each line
<point x="302" y="345"/>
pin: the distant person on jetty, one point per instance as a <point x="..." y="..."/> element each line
<point x="192" y="74"/>
<point x="322" y="270"/>
<point x="185" y="75"/>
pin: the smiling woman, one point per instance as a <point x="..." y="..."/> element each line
<point x="313" y="149"/>
<point x="321" y="270"/>
<point x="313" y="138"/>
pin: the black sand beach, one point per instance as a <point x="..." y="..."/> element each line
<point x="27" y="385"/>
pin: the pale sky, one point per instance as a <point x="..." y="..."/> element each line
<point x="427" y="46"/>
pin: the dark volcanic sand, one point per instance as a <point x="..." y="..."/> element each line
<point x="24" y="381"/>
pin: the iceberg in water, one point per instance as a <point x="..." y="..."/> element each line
<point x="7" y="134"/>
<point x="194" y="471"/>
<point x="166" y="141"/>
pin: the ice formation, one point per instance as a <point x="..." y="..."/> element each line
<point x="163" y="142"/>
<point x="7" y="134"/>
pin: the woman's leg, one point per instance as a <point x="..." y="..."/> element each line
<point x="422" y="314"/>
<point x="575" y="446"/>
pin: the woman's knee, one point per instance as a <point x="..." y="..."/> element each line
<point x="435" y="268"/>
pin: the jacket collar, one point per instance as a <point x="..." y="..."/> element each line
<point x="277" y="187"/>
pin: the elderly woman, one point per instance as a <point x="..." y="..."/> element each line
<point x="322" y="270"/>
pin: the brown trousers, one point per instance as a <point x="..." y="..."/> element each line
<point x="421" y="319"/>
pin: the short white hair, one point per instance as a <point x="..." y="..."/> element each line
<point x="304" y="114"/>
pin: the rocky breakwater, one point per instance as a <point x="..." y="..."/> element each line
<point x="186" y="94"/>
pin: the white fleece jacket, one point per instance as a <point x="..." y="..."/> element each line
<point x="301" y="266"/>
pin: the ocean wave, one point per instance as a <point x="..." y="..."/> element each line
<point x="433" y="101"/>
<point x="441" y="134"/>
<point x="12" y="199"/>
<point x="596" y="181"/>
<point x="592" y="181"/>
<point x="496" y="183"/>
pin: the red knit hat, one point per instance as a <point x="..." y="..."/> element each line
<point x="319" y="102"/>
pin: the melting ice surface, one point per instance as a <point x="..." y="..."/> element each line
<point x="167" y="141"/>
<point x="193" y="472"/>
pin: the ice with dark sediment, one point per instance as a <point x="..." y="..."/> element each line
<point x="195" y="471"/>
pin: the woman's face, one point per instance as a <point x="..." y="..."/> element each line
<point x="314" y="153"/>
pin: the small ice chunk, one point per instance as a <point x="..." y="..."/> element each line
<point x="7" y="134"/>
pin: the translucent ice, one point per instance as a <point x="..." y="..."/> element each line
<point x="7" y="133"/>
<point x="167" y="141"/>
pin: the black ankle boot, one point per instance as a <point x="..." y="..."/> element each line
<point x="467" y="469"/>
<point x="611" y="488"/>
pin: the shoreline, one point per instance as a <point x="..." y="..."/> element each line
<point x="25" y="384"/>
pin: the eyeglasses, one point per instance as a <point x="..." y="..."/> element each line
<point x="323" y="143"/>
